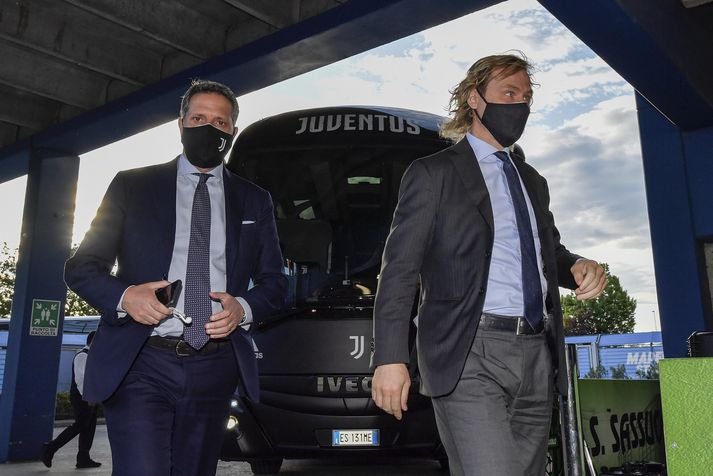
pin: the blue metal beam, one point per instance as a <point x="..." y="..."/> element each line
<point x="681" y="295"/>
<point x="15" y="160"/>
<point x="698" y="146"/>
<point x="32" y="360"/>
<point x="338" y="33"/>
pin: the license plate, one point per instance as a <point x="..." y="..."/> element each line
<point x="355" y="437"/>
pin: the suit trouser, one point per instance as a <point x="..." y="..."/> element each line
<point x="496" y="421"/>
<point x="85" y="424"/>
<point x="169" y="414"/>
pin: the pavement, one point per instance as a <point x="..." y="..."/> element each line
<point x="65" y="459"/>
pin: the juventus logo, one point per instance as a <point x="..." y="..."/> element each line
<point x="358" y="346"/>
<point x="222" y="145"/>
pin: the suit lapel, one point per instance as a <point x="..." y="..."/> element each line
<point x="469" y="172"/>
<point x="234" y="207"/>
<point x="163" y="187"/>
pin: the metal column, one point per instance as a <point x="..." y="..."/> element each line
<point x="35" y="337"/>
<point x="569" y="412"/>
<point x="678" y="174"/>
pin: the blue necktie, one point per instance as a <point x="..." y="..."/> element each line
<point x="531" y="285"/>
<point x="197" y="301"/>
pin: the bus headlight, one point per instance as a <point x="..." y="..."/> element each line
<point x="232" y="422"/>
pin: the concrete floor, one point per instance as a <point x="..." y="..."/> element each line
<point x="64" y="460"/>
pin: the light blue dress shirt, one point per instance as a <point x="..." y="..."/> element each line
<point x="186" y="183"/>
<point x="504" y="291"/>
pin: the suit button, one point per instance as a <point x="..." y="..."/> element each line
<point x="481" y="291"/>
<point x="487" y="254"/>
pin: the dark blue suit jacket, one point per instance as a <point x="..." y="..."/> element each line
<point x="135" y="226"/>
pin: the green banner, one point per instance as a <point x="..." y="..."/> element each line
<point x="621" y="421"/>
<point x="45" y="317"/>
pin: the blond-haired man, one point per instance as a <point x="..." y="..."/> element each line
<point x="473" y="222"/>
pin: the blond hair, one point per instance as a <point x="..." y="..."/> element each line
<point x="478" y="77"/>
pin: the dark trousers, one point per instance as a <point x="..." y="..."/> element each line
<point x="85" y="423"/>
<point x="496" y="421"/>
<point x="169" y="415"/>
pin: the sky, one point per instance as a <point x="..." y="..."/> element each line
<point x="582" y="134"/>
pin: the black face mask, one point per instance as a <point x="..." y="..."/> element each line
<point x="506" y="122"/>
<point x="205" y="146"/>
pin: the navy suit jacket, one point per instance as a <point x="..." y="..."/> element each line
<point x="443" y="232"/>
<point x="135" y="226"/>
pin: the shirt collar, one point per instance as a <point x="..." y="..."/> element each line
<point x="482" y="149"/>
<point x="187" y="168"/>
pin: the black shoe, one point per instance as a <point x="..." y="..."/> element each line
<point x="88" y="463"/>
<point x="47" y="454"/>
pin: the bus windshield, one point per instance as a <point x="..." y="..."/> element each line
<point x="334" y="200"/>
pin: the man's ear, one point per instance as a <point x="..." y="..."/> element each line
<point x="235" y="131"/>
<point x="180" y="124"/>
<point x="473" y="99"/>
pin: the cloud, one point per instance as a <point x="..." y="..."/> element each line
<point x="595" y="162"/>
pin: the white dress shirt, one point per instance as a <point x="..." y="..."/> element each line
<point x="504" y="291"/>
<point x="79" y="364"/>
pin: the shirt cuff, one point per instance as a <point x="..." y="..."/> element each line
<point x="120" y="312"/>
<point x="248" y="319"/>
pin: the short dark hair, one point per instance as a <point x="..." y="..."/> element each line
<point x="90" y="337"/>
<point x="204" y="86"/>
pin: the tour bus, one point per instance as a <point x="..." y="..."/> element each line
<point x="333" y="174"/>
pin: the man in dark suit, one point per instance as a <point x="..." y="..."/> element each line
<point x="166" y="381"/>
<point x="85" y="416"/>
<point x="473" y="222"/>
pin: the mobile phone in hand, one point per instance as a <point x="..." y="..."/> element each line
<point x="168" y="295"/>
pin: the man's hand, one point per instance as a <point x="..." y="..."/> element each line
<point x="590" y="277"/>
<point x="389" y="388"/>
<point x="223" y="323"/>
<point x="141" y="304"/>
